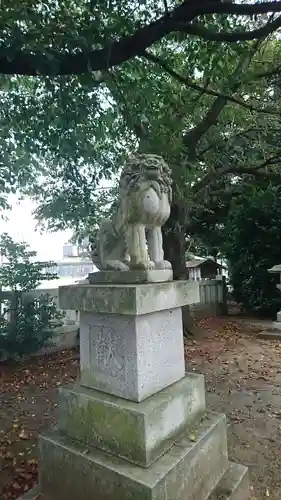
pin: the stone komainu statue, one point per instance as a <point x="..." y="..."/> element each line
<point x="132" y="239"/>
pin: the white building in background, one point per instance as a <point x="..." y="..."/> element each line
<point x="199" y="269"/>
<point x="71" y="268"/>
<point x="69" y="250"/>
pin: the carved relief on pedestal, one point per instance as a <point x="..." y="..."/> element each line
<point x="105" y="349"/>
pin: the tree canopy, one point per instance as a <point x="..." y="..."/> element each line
<point x="85" y="84"/>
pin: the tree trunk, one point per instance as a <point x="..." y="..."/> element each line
<point x="174" y="243"/>
<point x="14" y="306"/>
<point x="174" y="251"/>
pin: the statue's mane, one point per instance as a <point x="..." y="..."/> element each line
<point x="134" y="173"/>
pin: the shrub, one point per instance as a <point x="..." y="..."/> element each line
<point x="26" y="323"/>
<point x="29" y="327"/>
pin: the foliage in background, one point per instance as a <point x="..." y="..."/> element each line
<point x="19" y="271"/>
<point x="26" y="323"/>
<point x="252" y="242"/>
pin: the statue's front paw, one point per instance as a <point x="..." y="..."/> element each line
<point x="163" y="264"/>
<point x="143" y="265"/>
<point x="116" y="265"/>
<point x="123" y="267"/>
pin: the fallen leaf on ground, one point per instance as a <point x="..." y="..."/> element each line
<point x="23" y="435"/>
<point x="192" y="437"/>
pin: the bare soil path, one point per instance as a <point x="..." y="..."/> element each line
<point x="243" y="379"/>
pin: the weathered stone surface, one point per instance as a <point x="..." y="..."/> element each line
<point x="131" y="356"/>
<point x="128" y="299"/>
<point x="190" y="470"/>
<point x="132" y="276"/>
<point x="276" y="325"/>
<point x="275" y="269"/>
<point x="234" y="485"/>
<point x="138" y="432"/>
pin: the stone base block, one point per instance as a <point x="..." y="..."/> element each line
<point x="132" y="357"/>
<point x="138" y="432"/>
<point x="132" y="276"/>
<point x="276" y="325"/>
<point x="190" y="470"/>
<point x="270" y="335"/>
<point x="234" y="485"/>
<point x="132" y="299"/>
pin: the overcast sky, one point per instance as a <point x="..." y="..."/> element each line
<point x="21" y="227"/>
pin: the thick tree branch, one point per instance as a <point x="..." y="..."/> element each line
<point x="240" y="170"/>
<point x="51" y="62"/>
<point x="205" y="90"/>
<point x="259" y="173"/>
<point x="200" y="31"/>
<point x="229" y="140"/>
<point x="166" y="8"/>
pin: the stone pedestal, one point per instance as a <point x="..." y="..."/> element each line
<point x="277" y="324"/>
<point x="131" y="356"/>
<point x="135" y="426"/>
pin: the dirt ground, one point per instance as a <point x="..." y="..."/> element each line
<point x="243" y="380"/>
<point x="28" y="405"/>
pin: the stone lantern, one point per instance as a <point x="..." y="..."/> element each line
<point x="277" y="270"/>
